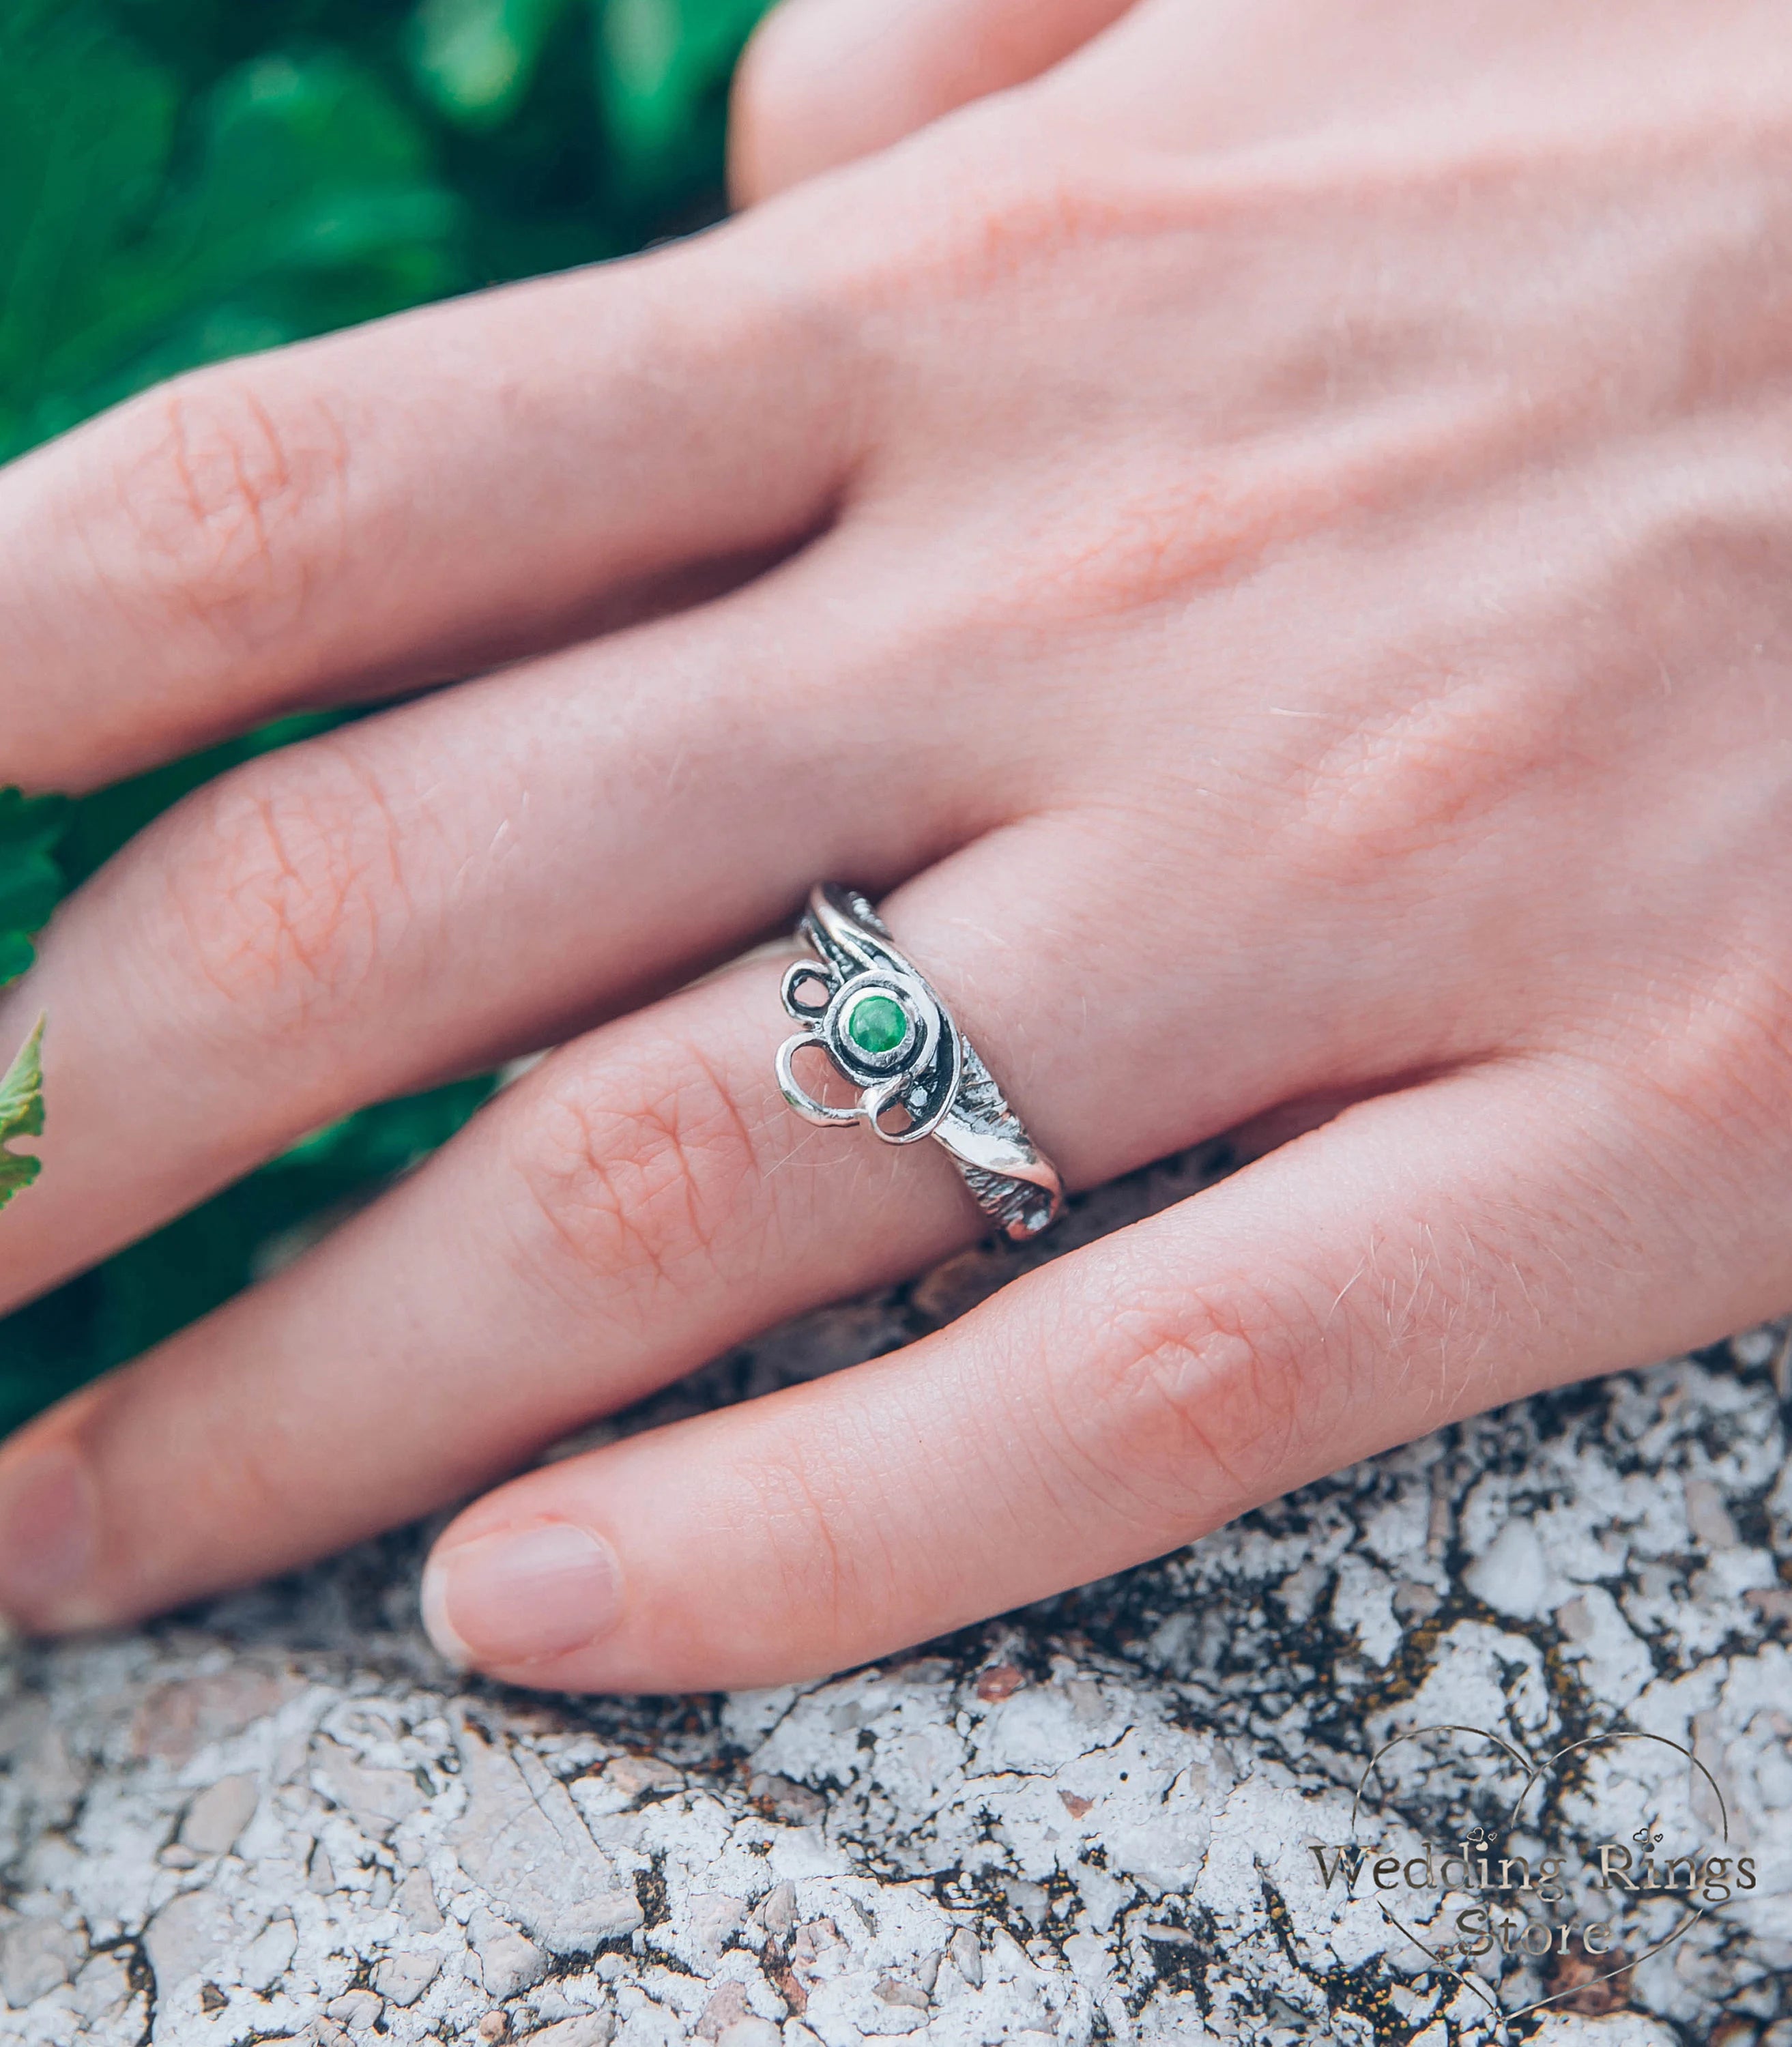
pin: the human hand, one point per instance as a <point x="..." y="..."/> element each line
<point x="1265" y="548"/>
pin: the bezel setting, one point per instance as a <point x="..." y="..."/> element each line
<point x="929" y="1082"/>
<point x="852" y="999"/>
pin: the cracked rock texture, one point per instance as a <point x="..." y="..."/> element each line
<point x="280" y="1819"/>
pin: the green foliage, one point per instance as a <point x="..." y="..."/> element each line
<point x="30" y="881"/>
<point x="475" y="58"/>
<point x="654" y="58"/>
<point x="138" y="236"/>
<point x="183" y="181"/>
<point x="30" y="888"/>
<point x="21" y="1115"/>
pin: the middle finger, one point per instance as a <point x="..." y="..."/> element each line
<point x="471" y="875"/>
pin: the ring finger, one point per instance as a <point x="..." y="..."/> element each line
<point x="635" y="1206"/>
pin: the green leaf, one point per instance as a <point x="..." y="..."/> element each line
<point x="136" y="241"/>
<point x="183" y="181"/>
<point x="661" y="64"/>
<point x="21" y="1115"/>
<point x="31" y="881"/>
<point x="476" y="58"/>
<point x="32" y="824"/>
<point x="30" y="888"/>
<point x="85" y="129"/>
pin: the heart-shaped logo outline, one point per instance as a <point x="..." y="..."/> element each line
<point x="1534" y="1772"/>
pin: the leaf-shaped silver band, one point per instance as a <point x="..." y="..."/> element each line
<point x="889" y="1034"/>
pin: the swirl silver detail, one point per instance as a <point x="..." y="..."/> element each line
<point x="918" y="1065"/>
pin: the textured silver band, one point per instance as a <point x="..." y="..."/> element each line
<point x="887" y="1033"/>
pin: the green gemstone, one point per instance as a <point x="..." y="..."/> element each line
<point x="878" y="1024"/>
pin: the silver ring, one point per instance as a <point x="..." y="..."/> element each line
<point x="889" y="1035"/>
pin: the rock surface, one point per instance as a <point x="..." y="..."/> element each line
<point x="280" y="1819"/>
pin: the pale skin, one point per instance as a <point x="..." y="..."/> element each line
<point x="1264" y="538"/>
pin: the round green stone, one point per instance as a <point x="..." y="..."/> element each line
<point x="878" y="1024"/>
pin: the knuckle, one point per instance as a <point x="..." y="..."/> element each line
<point x="991" y="211"/>
<point x="639" y="1165"/>
<point x="816" y="1580"/>
<point x="1018" y="217"/>
<point x="1199" y="1403"/>
<point x="1426" y="775"/>
<point x="1158" y="541"/>
<point x="232" y="503"/>
<point x="289" y="888"/>
<point x="1753" y="1057"/>
<point x="1721" y="1051"/>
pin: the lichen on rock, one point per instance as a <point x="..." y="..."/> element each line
<point x="281" y="1819"/>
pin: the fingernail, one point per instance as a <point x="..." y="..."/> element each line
<point x="521" y="1595"/>
<point x="48" y="1535"/>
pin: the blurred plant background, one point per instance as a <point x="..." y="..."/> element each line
<point x="182" y="180"/>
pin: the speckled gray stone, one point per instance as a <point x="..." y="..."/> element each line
<point x="280" y="1818"/>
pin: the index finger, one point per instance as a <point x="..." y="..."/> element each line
<point x="411" y="500"/>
